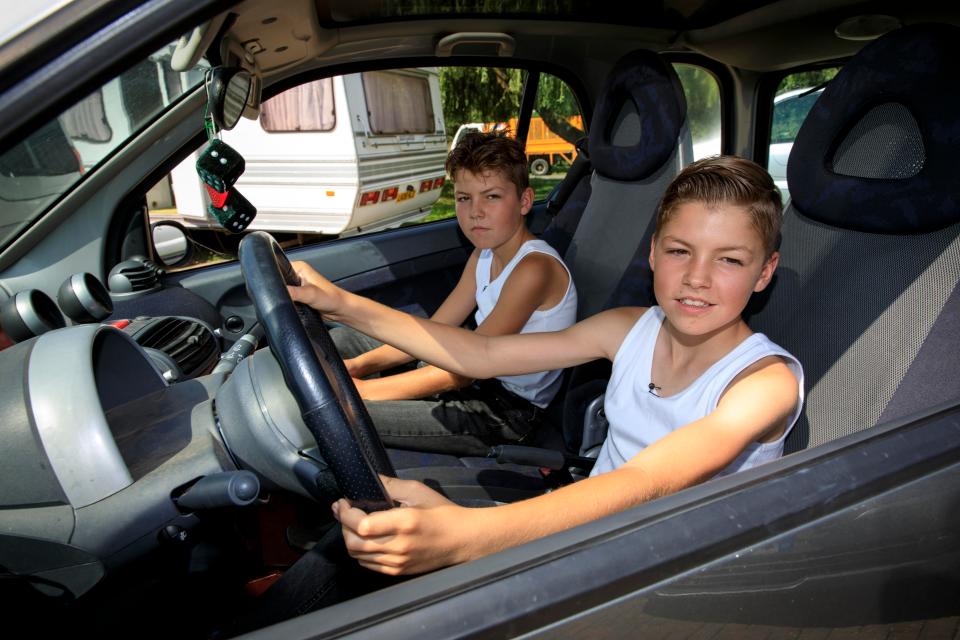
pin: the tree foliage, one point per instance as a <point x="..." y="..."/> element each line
<point x="490" y="94"/>
<point x="806" y="79"/>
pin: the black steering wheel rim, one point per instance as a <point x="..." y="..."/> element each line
<point x="314" y="372"/>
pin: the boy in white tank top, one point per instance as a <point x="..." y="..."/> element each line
<point x="694" y="392"/>
<point x="515" y="282"/>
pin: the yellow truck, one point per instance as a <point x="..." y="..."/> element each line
<point x="544" y="147"/>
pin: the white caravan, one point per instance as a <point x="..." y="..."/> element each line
<point x="335" y="156"/>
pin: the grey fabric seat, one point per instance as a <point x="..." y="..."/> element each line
<point x="866" y="295"/>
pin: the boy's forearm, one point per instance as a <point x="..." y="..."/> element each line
<point x="411" y="385"/>
<point x="489" y="530"/>
<point x="379" y="359"/>
<point x="451" y="348"/>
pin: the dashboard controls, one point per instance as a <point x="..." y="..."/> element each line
<point x="29" y="313"/>
<point x="226" y="489"/>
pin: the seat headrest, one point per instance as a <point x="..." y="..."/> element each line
<point x="878" y="152"/>
<point x="644" y="88"/>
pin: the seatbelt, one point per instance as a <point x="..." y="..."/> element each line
<point x="580" y="168"/>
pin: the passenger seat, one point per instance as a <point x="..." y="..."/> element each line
<point x="866" y="293"/>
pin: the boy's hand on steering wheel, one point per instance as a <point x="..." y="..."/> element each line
<point x="426" y="532"/>
<point x="315" y="290"/>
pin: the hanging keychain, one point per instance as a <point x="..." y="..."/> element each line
<point x="219" y="167"/>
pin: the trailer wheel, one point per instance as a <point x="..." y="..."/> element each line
<point x="539" y="167"/>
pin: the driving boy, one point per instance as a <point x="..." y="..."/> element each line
<point x="515" y="282"/>
<point x="694" y="392"/>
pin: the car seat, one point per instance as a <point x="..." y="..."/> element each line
<point x="866" y="292"/>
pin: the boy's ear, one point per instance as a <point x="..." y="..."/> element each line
<point x="766" y="273"/>
<point x="526" y="201"/>
<point x="653" y="245"/>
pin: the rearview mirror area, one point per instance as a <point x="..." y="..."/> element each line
<point x="229" y="90"/>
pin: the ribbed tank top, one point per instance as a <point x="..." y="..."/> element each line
<point x="638" y="418"/>
<point x="537" y="388"/>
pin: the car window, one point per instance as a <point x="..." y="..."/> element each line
<point x="702" y="92"/>
<point x="47" y="164"/>
<point x="795" y="96"/>
<point x="360" y="153"/>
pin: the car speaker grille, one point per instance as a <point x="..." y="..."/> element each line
<point x="191" y="344"/>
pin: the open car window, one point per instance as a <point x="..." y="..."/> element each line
<point x="359" y="153"/>
<point x="39" y="170"/>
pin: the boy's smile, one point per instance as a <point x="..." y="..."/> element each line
<point x="706" y="263"/>
<point x="489" y="210"/>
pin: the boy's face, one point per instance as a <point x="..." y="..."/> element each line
<point x="488" y="208"/>
<point x="706" y="264"/>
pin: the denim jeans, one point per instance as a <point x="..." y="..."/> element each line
<point x="464" y="422"/>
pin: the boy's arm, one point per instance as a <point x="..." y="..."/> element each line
<point x="523" y="292"/>
<point x="434" y="532"/>
<point x="468" y="353"/>
<point x="453" y="311"/>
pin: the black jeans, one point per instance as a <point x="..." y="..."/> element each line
<point x="323" y="576"/>
<point x="463" y="422"/>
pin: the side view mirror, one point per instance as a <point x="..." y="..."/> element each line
<point x="228" y="92"/>
<point x="171" y="244"/>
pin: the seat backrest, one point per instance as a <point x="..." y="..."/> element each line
<point x="639" y="140"/>
<point x="636" y="135"/>
<point x="866" y="293"/>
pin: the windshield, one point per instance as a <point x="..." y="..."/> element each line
<point x="50" y="161"/>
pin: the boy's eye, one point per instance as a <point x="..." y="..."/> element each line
<point x="676" y="252"/>
<point x="733" y="261"/>
<point x="493" y="196"/>
<point x="462" y="198"/>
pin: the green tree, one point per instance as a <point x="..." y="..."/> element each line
<point x="703" y="101"/>
<point x="492" y="94"/>
<point x="807" y="79"/>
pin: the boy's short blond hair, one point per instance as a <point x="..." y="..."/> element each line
<point x="730" y="180"/>
<point x="479" y="153"/>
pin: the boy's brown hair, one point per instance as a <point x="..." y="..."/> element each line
<point x="730" y="180"/>
<point x="479" y="153"/>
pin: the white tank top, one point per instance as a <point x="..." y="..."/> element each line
<point x="537" y="388"/>
<point x="638" y="418"/>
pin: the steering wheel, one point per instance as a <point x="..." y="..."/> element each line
<point x="314" y="372"/>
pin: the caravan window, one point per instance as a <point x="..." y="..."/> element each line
<point x="308" y="107"/>
<point x="398" y="103"/>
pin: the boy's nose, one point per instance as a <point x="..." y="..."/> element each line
<point x="697" y="275"/>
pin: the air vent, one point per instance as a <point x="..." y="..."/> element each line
<point x="134" y="276"/>
<point x="191" y="344"/>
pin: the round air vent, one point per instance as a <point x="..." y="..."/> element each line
<point x="28" y="314"/>
<point x="134" y="277"/>
<point x="84" y="298"/>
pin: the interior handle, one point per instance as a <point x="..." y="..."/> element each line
<point x="504" y="44"/>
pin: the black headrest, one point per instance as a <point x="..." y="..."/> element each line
<point x="879" y="150"/>
<point x="649" y="86"/>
